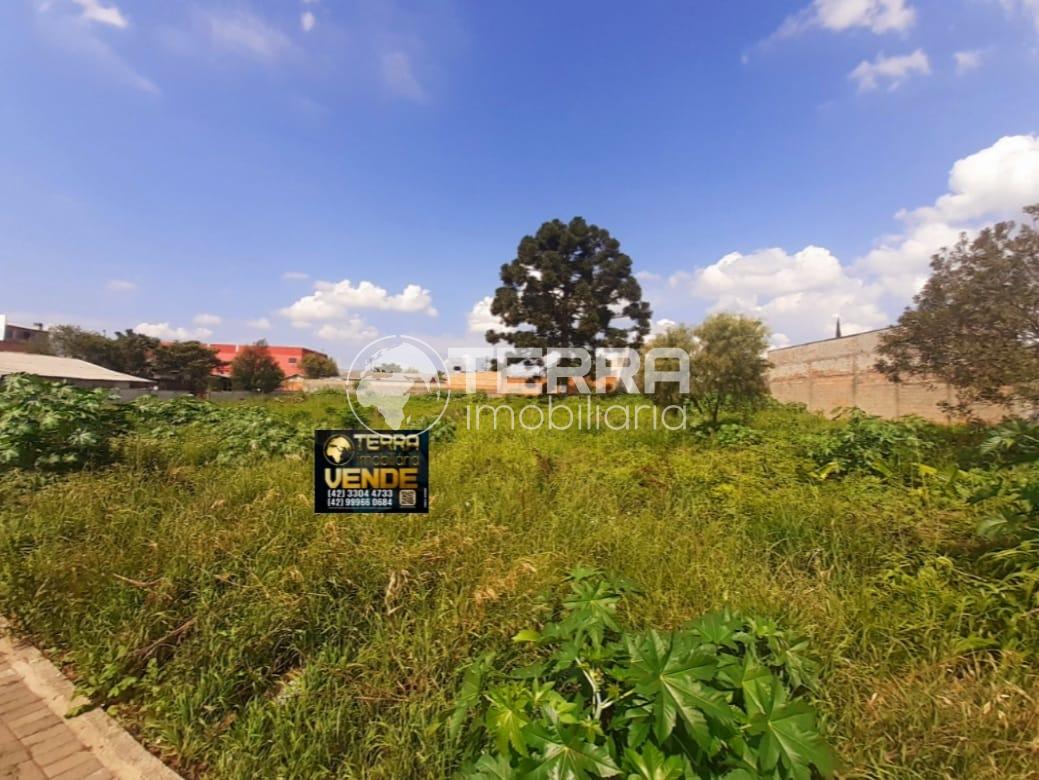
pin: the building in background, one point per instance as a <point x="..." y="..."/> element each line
<point x="840" y="373"/>
<point x="69" y="370"/>
<point x="290" y="359"/>
<point x="18" y="338"/>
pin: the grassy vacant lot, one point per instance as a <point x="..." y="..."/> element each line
<point x="240" y="635"/>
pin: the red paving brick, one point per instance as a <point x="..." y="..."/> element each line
<point x="34" y="742"/>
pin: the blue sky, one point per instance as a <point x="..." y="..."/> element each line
<point x="318" y="172"/>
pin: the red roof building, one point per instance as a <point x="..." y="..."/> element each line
<point x="289" y="358"/>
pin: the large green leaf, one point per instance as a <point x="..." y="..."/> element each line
<point x="566" y="754"/>
<point x="651" y="764"/>
<point x="787" y="730"/>
<point x="669" y="674"/>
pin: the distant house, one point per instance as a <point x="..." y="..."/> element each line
<point x="290" y="359"/>
<point x="18" y="338"/>
<point x="69" y="370"/>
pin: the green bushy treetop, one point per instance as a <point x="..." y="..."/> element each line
<point x="318" y="366"/>
<point x="253" y="368"/>
<point x="727" y="363"/>
<point x="975" y="324"/>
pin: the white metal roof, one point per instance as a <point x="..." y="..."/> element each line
<point x="50" y="367"/>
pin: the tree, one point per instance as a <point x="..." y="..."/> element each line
<point x="253" y="368"/>
<point x="318" y="366"/>
<point x="569" y="286"/>
<point x="184" y="365"/>
<point x="975" y="323"/>
<point x="726" y="363"/>
<point x="72" y="341"/>
<point x="133" y="353"/>
<point x="129" y="352"/>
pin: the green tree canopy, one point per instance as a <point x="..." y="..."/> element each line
<point x="975" y="324"/>
<point x="318" y="366"/>
<point x="570" y="286"/>
<point x="727" y="364"/>
<point x="184" y="365"/>
<point x="253" y="368"/>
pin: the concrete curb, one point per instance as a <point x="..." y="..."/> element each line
<point x="110" y="743"/>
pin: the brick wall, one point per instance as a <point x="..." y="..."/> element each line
<point x="827" y="375"/>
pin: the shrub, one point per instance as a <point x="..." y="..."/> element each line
<point x="865" y="443"/>
<point x="722" y="698"/>
<point x="50" y="426"/>
<point x="1014" y="441"/>
<point x="736" y="435"/>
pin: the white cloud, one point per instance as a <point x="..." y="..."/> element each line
<point x="244" y="33"/>
<point x="164" y="331"/>
<point x="893" y="70"/>
<point x="967" y="61"/>
<point x="94" y="11"/>
<point x="354" y="329"/>
<point x="261" y="323"/>
<point x="648" y="276"/>
<point x="661" y="326"/>
<point x="994" y="183"/>
<point x="121" y="285"/>
<point x="1026" y="7"/>
<point x="295" y="276"/>
<point x="82" y="41"/>
<point x="333" y="301"/>
<point x="399" y="77"/>
<point x="207" y="319"/>
<point x="480" y="320"/>
<point x="878" y="16"/>
<point x="307" y="20"/>
<point x="797" y="295"/>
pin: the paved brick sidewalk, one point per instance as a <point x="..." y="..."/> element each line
<point x="34" y="741"/>
<point x="37" y="741"/>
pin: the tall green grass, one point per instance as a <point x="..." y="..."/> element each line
<point x="240" y="635"/>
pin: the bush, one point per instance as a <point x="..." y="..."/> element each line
<point x="722" y="698"/>
<point x="50" y="426"/>
<point x="865" y="443"/>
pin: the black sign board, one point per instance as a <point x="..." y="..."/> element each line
<point x="371" y="471"/>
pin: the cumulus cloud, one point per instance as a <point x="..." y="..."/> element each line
<point x="892" y="70"/>
<point x="399" y="76"/>
<point x="967" y="61"/>
<point x="354" y="329"/>
<point x="307" y="20"/>
<point x="207" y="319"/>
<point x="121" y="285"/>
<point x="166" y="332"/>
<point x="94" y="11"/>
<point x="480" y="319"/>
<point x="260" y="323"/>
<point x="994" y="183"/>
<point x="798" y="294"/>
<point x="334" y="300"/>
<point x="661" y="326"/>
<point x="878" y="16"/>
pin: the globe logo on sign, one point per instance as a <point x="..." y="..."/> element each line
<point x="393" y="369"/>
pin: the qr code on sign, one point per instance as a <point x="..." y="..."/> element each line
<point x="407" y="498"/>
